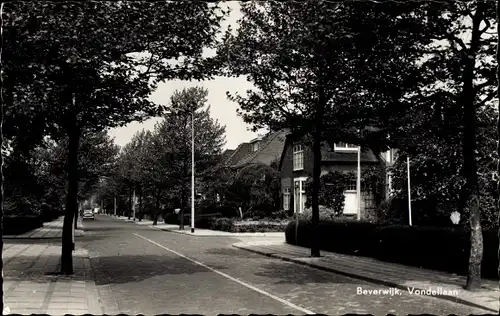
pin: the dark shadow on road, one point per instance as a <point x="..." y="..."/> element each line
<point x="227" y="252"/>
<point x="121" y="269"/>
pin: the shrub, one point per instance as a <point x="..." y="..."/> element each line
<point x="324" y="214"/>
<point x="223" y="224"/>
<point x="440" y="248"/>
<point x="231" y="225"/>
<point x="331" y="192"/>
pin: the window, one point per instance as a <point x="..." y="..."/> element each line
<point x="300" y="194"/>
<point x="345" y="147"/>
<point x="255" y="146"/>
<point x="390" y="156"/>
<point x="351" y="185"/>
<point x="298" y="157"/>
<point x="286" y="199"/>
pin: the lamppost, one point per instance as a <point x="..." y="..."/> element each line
<point x="358" y="184"/>
<point x="191" y="113"/>
<point x="409" y="189"/>
<point x="192" y="170"/>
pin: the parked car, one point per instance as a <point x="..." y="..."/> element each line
<point x="88" y="214"/>
<point x="96" y="210"/>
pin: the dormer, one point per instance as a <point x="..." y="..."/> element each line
<point x="254" y="144"/>
<point x="344" y="147"/>
<point x="390" y="156"/>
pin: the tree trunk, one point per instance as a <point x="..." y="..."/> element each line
<point x="71" y="200"/>
<point x="315" y="247"/>
<point x="1" y="200"/>
<point x="130" y="203"/>
<point x="157" y="206"/>
<point x="316" y="148"/>
<point x="181" y="213"/>
<point x="469" y="148"/>
<point x="76" y="215"/>
<point x="140" y="203"/>
<point x="498" y="121"/>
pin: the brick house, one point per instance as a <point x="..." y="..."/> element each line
<point x="296" y="166"/>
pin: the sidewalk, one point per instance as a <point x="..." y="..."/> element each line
<point x="31" y="285"/>
<point x="390" y="274"/>
<point x="200" y="232"/>
<point x="48" y="231"/>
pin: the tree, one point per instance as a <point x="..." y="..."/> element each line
<point x="498" y="120"/>
<point x="310" y="62"/>
<point x="173" y="143"/>
<point x="254" y="189"/>
<point x="83" y="84"/>
<point x="462" y="86"/>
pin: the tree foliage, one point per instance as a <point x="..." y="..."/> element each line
<point x="86" y="66"/>
<point x="255" y="188"/>
<point x="321" y="69"/>
<point x="158" y="163"/>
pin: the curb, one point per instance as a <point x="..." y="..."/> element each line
<point x="233" y="235"/>
<point x="188" y="232"/>
<point x="364" y="278"/>
<point x="38" y="238"/>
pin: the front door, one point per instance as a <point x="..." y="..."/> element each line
<point x="350" y="195"/>
<point x="299" y="194"/>
<point x="296" y="196"/>
<point x="350" y="205"/>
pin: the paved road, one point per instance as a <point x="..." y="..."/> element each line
<point x="148" y="271"/>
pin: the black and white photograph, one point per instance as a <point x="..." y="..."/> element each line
<point x="250" y="157"/>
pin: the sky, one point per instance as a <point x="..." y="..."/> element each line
<point x="222" y="109"/>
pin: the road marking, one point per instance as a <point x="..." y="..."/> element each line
<point x="287" y="303"/>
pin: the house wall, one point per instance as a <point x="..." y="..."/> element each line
<point x="287" y="175"/>
<point x="286" y="183"/>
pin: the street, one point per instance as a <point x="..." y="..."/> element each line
<point x="148" y="271"/>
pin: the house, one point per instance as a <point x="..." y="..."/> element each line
<point x="296" y="166"/>
<point x="265" y="150"/>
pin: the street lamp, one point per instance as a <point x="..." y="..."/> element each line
<point x="409" y="188"/>
<point x="192" y="112"/>
<point x="192" y="170"/>
<point x="358" y="183"/>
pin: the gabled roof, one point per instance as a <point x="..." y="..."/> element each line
<point x="328" y="155"/>
<point x="238" y="154"/>
<point x="270" y="150"/>
<point x="226" y="155"/>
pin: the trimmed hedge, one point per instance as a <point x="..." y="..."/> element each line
<point x="237" y="226"/>
<point x="16" y="225"/>
<point x="446" y="249"/>
<point x="200" y="221"/>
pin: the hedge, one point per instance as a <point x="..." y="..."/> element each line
<point x="445" y="249"/>
<point x="16" y="225"/>
<point x="237" y="226"/>
<point x="215" y="222"/>
<point x="203" y="221"/>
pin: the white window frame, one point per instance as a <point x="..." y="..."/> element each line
<point x="298" y="157"/>
<point x="346" y="147"/>
<point x="302" y="195"/>
<point x="286" y="199"/>
<point x="350" y="185"/>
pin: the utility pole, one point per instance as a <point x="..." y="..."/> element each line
<point x="358" y="184"/>
<point x="409" y="189"/>
<point x="192" y="171"/>
<point x="114" y="205"/>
